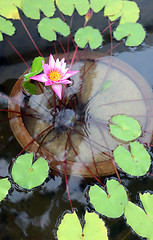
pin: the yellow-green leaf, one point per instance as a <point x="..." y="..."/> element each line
<point x="32" y="8"/>
<point x="8" y="8"/>
<point x="6" y="27"/>
<point x="48" y="27"/>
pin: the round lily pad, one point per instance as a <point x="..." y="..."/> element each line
<point x="129" y="13"/>
<point x="9" y="8"/>
<point x="141" y="221"/>
<point x="6" y="27"/>
<point x="67" y="6"/>
<point x="48" y="27"/>
<point x="113" y="7"/>
<point x="88" y="35"/>
<point x="28" y="174"/>
<point x="133" y="31"/>
<point x="97" y="5"/>
<point x="110" y="204"/>
<point x="136" y="162"/>
<point x="125" y="128"/>
<point x="4" y="188"/>
<point x="70" y="228"/>
<point x="32" y="8"/>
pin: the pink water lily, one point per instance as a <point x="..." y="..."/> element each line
<point x="55" y="74"/>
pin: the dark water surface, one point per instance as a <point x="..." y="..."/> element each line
<point x="33" y="215"/>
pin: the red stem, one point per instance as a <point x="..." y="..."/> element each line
<point x="17" y="52"/>
<point x="33" y="140"/>
<point x="31" y="37"/>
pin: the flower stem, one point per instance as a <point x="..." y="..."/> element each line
<point x="54" y="102"/>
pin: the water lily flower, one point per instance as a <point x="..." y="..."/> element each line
<point x="55" y="74"/>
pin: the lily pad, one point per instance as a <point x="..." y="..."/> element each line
<point x="129" y="13"/>
<point x="133" y="31"/>
<point x="136" y="162"/>
<point x="141" y="221"/>
<point x="113" y="7"/>
<point x="88" y="35"/>
<point x="29" y="87"/>
<point x="110" y="204"/>
<point x="125" y="128"/>
<point x="98" y="5"/>
<point x="4" y="188"/>
<point x="6" y="27"/>
<point x="67" y="6"/>
<point x="70" y="228"/>
<point x="28" y="174"/>
<point x="106" y="85"/>
<point x="32" y="8"/>
<point x="36" y="68"/>
<point x="48" y="27"/>
<point x="8" y="9"/>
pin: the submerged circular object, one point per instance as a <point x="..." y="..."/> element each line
<point x="76" y="139"/>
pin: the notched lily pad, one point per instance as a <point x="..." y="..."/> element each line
<point x="113" y="7"/>
<point x="70" y="228"/>
<point x="110" y="204"/>
<point x="67" y="6"/>
<point x="28" y="174"/>
<point x="49" y="27"/>
<point x="139" y="220"/>
<point x="98" y="5"/>
<point x="4" y="188"/>
<point x="133" y="31"/>
<point x="125" y="128"/>
<point x="88" y="35"/>
<point x="32" y="8"/>
<point x="8" y="9"/>
<point x="6" y="27"/>
<point x="129" y="13"/>
<point x="135" y="162"/>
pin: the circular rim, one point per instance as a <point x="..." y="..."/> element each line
<point x="105" y="168"/>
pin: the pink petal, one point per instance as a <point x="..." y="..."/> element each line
<point x="69" y="74"/>
<point x="40" y="78"/>
<point x="46" y="68"/>
<point x="57" y="88"/>
<point x="48" y="83"/>
<point x="51" y="61"/>
<point x="57" y="64"/>
<point x="64" y="81"/>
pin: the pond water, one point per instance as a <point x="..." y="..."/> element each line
<point x="34" y="214"/>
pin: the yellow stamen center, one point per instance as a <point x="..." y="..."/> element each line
<point x="54" y="75"/>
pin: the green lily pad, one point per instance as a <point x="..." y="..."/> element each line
<point x="125" y="128"/>
<point x="110" y="204"/>
<point x="8" y="9"/>
<point x="106" y="85"/>
<point x="32" y="8"/>
<point x="133" y="31"/>
<point x="67" y="6"/>
<point x="37" y="65"/>
<point x="88" y="35"/>
<point x="98" y="5"/>
<point x="129" y="13"/>
<point x="141" y="221"/>
<point x="28" y="174"/>
<point x="48" y="27"/>
<point x="4" y="188"/>
<point x="113" y="7"/>
<point x="6" y="27"/>
<point x="70" y="228"/>
<point x="29" y="87"/>
<point x="136" y="163"/>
